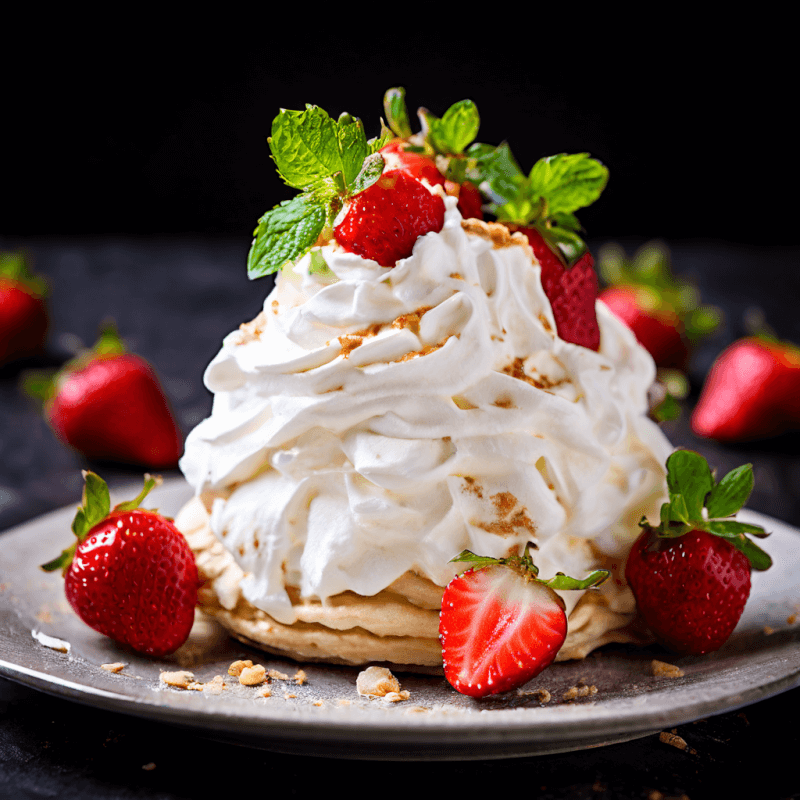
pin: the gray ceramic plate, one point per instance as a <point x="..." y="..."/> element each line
<point x="324" y="715"/>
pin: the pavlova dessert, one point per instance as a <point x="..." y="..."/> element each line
<point x="421" y="382"/>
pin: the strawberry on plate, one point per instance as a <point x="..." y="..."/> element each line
<point x="663" y="311"/>
<point x="109" y="405"/>
<point x="500" y="624"/>
<point x="130" y="575"/>
<point x="23" y="314"/>
<point x="690" y="574"/>
<point x="752" y="391"/>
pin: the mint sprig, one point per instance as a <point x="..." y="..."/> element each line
<point x="525" y="565"/>
<point x="329" y="161"/>
<point x="698" y="502"/>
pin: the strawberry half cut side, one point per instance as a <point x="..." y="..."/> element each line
<point x="130" y="575"/>
<point x="501" y="625"/>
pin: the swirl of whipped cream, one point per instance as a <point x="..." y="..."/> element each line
<point x="373" y="420"/>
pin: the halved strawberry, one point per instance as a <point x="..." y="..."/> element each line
<point x="500" y="625"/>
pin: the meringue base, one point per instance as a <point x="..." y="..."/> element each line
<point x="398" y="626"/>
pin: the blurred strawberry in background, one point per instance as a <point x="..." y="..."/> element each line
<point x="662" y="310"/>
<point x="109" y="405"/>
<point x="23" y="314"/>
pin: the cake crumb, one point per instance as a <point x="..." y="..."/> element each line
<point x="318" y="703"/>
<point x="671" y="738"/>
<point x="542" y="695"/>
<point x="289" y="696"/>
<point x="266" y="692"/>
<point x="300" y="677"/>
<point x="253" y="675"/>
<point x="377" y="682"/>
<point x="181" y="679"/>
<point x="149" y="767"/>
<point x="661" y="669"/>
<point x="791" y="619"/>
<point x="768" y="630"/>
<point x="274" y="675"/>
<point x="215" y="685"/>
<point x="235" y="669"/>
<point x="397" y="697"/>
<point x="581" y="689"/>
<point x="117" y="666"/>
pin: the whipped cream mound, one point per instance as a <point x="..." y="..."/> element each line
<point x="373" y="421"/>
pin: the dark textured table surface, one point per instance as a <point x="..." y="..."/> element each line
<point x="173" y="301"/>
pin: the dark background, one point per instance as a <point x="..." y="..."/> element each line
<point x="165" y="132"/>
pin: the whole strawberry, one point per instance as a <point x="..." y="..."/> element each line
<point x="690" y="574"/>
<point x="23" y="314"/>
<point x="131" y="575"/>
<point x="752" y="391"/>
<point x="384" y="221"/>
<point x="414" y="164"/>
<point x="662" y="310"/>
<point x="500" y="625"/>
<point x="109" y="405"/>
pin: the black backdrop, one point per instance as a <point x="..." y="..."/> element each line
<point x="165" y="132"/>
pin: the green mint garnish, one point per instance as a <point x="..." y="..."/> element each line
<point x="698" y="502"/>
<point x="394" y="106"/>
<point x="328" y="161"/>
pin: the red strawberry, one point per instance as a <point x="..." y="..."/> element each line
<point x="415" y="165"/>
<point x="23" y="315"/>
<point x="659" y="331"/>
<point x="109" y="405"/>
<point x="500" y="625"/>
<point x="662" y="309"/>
<point x="752" y="391"/>
<point x="470" y="200"/>
<point x="572" y="291"/>
<point x="131" y="575"/>
<point x="690" y="575"/>
<point x="384" y="221"/>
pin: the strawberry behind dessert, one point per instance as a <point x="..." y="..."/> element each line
<point x="109" y="405"/>
<point x="23" y="314"/>
<point x="130" y="575"/>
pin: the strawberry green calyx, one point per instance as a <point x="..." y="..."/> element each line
<point x="95" y="507"/>
<point x="525" y="566"/>
<point x="14" y="267"/>
<point x="658" y="289"/>
<point x="698" y="502"/>
<point x="42" y="385"/>
<point x="329" y="161"/>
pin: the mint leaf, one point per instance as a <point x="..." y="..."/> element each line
<point x="352" y="146"/>
<point x="394" y="106"/>
<point x="731" y="493"/>
<point x="568" y="182"/>
<point x="498" y="173"/>
<point x="456" y="129"/>
<point x="370" y="172"/>
<point x="689" y="475"/>
<point x="284" y="234"/>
